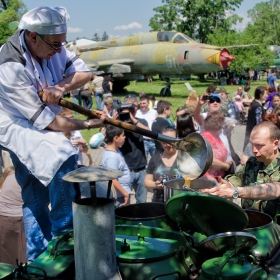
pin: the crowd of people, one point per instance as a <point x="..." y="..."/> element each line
<point x="44" y="143"/>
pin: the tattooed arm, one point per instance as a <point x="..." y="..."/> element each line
<point x="267" y="191"/>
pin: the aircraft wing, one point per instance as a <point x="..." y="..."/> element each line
<point x="116" y="65"/>
<point x="229" y="47"/>
<point x="242" y="46"/>
<point x="92" y="48"/>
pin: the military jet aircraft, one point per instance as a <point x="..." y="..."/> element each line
<point x="166" y="53"/>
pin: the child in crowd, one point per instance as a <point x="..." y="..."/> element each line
<point x="241" y="108"/>
<point x="239" y="103"/>
<point x="113" y="158"/>
<point x="77" y="140"/>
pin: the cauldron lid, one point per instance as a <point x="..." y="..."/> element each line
<point x="146" y="243"/>
<point x="150" y="249"/>
<point x="92" y="174"/>
<point x="218" y="244"/>
<point x="207" y="214"/>
<point x="6" y="270"/>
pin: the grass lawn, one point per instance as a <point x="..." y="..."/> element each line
<point x="179" y="93"/>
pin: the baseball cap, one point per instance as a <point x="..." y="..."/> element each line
<point x="216" y="95"/>
<point x="220" y="89"/>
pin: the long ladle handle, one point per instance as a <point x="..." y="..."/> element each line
<point x="89" y="113"/>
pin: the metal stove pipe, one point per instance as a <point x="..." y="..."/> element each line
<point x="94" y="239"/>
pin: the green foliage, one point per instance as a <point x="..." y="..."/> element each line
<point x="5" y="32"/>
<point x="263" y="29"/>
<point x="196" y="18"/>
<point x="12" y="10"/>
<point x="265" y="22"/>
<point x="9" y="15"/>
<point x="167" y="17"/>
<point x="245" y="57"/>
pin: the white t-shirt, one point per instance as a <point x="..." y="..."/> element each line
<point x="115" y="160"/>
<point x="149" y="116"/>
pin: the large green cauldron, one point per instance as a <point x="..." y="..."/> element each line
<point x="236" y="268"/>
<point x="57" y="262"/>
<point x="6" y="271"/>
<point x="149" y="214"/>
<point x="267" y="233"/>
<point x="146" y="253"/>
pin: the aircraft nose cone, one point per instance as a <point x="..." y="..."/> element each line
<point x="225" y="58"/>
<point x="222" y="58"/>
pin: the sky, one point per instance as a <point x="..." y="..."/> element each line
<point x="117" y="18"/>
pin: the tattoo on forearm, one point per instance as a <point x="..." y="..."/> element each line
<point x="263" y="191"/>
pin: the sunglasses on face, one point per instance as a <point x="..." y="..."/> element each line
<point x="130" y="95"/>
<point x="54" y="47"/>
<point x="213" y="99"/>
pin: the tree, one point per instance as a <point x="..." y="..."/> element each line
<point x="5" y="32"/>
<point x="196" y="18"/>
<point x="167" y="17"/>
<point x="96" y="37"/>
<point x="9" y="15"/>
<point x="11" y="10"/>
<point x="245" y="57"/>
<point x="265" y="22"/>
<point x="105" y="36"/>
<point x="263" y="29"/>
<point x="4" y="5"/>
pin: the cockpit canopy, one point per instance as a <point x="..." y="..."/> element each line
<point x="173" y="37"/>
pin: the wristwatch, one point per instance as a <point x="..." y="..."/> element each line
<point x="88" y="125"/>
<point x="235" y="193"/>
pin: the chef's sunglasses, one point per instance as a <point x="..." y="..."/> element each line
<point x="56" y="48"/>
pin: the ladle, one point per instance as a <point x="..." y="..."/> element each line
<point x="195" y="155"/>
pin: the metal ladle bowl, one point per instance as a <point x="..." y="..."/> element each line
<point x="195" y="158"/>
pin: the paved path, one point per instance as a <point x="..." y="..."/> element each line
<point x="237" y="138"/>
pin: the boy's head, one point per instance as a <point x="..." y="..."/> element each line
<point x="113" y="131"/>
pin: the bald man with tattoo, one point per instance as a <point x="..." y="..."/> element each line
<point x="258" y="182"/>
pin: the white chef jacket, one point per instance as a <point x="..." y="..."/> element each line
<point x="23" y="116"/>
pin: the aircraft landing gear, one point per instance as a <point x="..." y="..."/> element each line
<point x="166" y="90"/>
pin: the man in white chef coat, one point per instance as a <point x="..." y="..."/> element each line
<point x="34" y="59"/>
